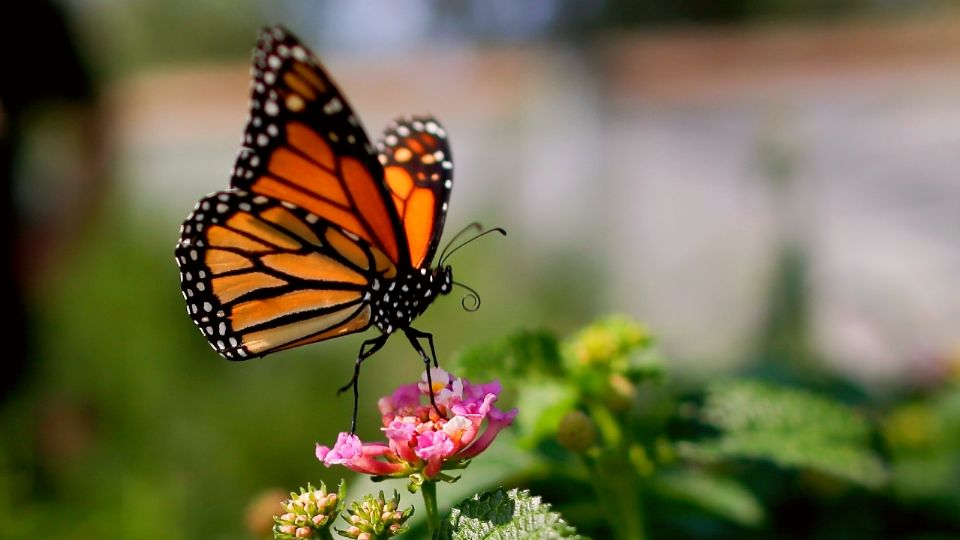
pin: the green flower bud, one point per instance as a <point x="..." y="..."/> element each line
<point x="376" y="518"/>
<point x="607" y="339"/>
<point x="576" y="432"/>
<point x="310" y="513"/>
<point x="641" y="461"/>
<point x="913" y="426"/>
<point x="620" y="393"/>
<point x="614" y="345"/>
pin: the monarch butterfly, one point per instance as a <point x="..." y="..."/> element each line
<point x="320" y="234"/>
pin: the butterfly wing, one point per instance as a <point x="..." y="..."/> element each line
<point x="261" y="275"/>
<point x="418" y="171"/>
<point x="303" y="144"/>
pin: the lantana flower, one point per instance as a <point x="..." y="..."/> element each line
<point x="423" y="440"/>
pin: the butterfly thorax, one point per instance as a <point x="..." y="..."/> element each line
<point x="395" y="303"/>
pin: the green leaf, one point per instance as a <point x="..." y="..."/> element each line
<point x="524" y="353"/>
<point x="791" y="428"/>
<point x="541" y="406"/>
<point x="741" y="406"/>
<point x="504" y="515"/>
<point x="718" y="495"/>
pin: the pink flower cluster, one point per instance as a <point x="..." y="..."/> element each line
<point x="421" y="439"/>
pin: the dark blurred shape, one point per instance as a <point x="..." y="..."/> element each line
<point x="43" y="70"/>
<point x="66" y="430"/>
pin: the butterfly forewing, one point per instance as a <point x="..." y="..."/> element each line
<point x="261" y="275"/>
<point x="418" y="172"/>
<point x="303" y="144"/>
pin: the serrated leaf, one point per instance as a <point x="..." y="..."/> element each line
<point x="718" y="495"/>
<point x="504" y="515"/>
<point x="791" y="428"/>
<point x="738" y="405"/>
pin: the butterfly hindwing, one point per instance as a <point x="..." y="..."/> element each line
<point x="418" y="172"/>
<point x="261" y="275"/>
<point x="304" y="144"/>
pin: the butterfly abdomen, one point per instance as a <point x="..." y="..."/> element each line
<point x="397" y="302"/>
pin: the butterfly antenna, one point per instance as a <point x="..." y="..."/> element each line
<point x="473" y="296"/>
<point x="474" y="225"/>
<point x="465" y="242"/>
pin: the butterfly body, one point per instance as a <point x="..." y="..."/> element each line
<point x="396" y="303"/>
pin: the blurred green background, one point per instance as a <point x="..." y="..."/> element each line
<point x="770" y="185"/>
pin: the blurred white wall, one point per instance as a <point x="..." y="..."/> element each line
<point x="643" y="153"/>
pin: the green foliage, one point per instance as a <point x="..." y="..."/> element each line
<point x="528" y="353"/>
<point x="922" y="437"/>
<point x="603" y="362"/>
<point x="713" y="493"/>
<point x="504" y="515"/>
<point x="791" y="428"/>
<point x="136" y="415"/>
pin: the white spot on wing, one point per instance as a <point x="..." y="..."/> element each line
<point x="333" y="106"/>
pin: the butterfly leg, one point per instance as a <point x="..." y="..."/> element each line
<point x="413" y="337"/>
<point x="374" y="345"/>
<point x="429" y="337"/>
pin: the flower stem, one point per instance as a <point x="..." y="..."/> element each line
<point x="429" y="490"/>
<point x="618" y="496"/>
<point x="614" y="480"/>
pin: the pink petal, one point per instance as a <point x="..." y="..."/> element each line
<point x="493" y="428"/>
<point x="322" y="452"/>
<point x="433" y="468"/>
<point x="401" y="430"/>
<point x="348" y="445"/>
<point x="433" y="444"/>
<point x="376" y="467"/>
<point x="405" y="397"/>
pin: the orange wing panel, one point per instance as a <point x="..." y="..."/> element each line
<point x="257" y="312"/>
<point x="223" y="237"/>
<point x="284" y="336"/>
<point x="262" y="231"/>
<point x="369" y="203"/>
<point x="272" y="187"/>
<point x="307" y="141"/>
<point x="312" y="266"/>
<point x="307" y="175"/>
<point x="229" y="288"/>
<point x="220" y="261"/>
<point x="288" y="221"/>
<point x="418" y="223"/>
